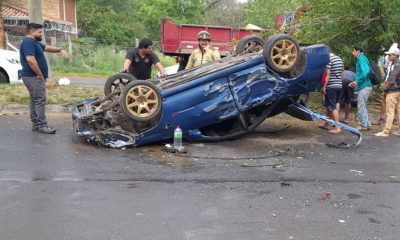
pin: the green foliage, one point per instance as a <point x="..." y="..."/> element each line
<point x="120" y="22"/>
<point x="372" y="24"/>
<point x="110" y="23"/>
<point x="225" y="13"/>
<point x="95" y="60"/>
<point x="262" y="12"/>
<point x="181" y="11"/>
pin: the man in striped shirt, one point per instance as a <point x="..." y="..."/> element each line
<point x="332" y="90"/>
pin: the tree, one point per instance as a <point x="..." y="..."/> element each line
<point x="262" y="12"/>
<point x="342" y="24"/>
<point x="225" y="13"/>
<point x="181" y="11"/>
<point x="120" y="21"/>
<point x="110" y="22"/>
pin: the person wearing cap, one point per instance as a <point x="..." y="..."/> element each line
<point x="387" y="65"/>
<point x="204" y="53"/>
<point x="392" y="89"/>
<point x="363" y="86"/>
<point x="138" y="61"/>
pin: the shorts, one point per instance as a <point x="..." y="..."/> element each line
<point x="332" y="97"/>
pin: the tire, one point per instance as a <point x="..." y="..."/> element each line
<point x="3" y="78"/>
<point x="141" y="100"/>
<point x="281" y="53"/>
<point x="250" y="44"/>
<point x="112" y="83"/>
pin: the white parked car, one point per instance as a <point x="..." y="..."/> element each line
<point x="10" y="67"/>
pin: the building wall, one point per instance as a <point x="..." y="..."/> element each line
<point x="51" y="8"/>
<point x="68" y="11"/>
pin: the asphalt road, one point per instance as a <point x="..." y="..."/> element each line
<point x="282" y="185"/>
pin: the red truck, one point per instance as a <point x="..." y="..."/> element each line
<point x="181" y="39"/>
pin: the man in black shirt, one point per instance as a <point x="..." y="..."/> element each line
<point x="138" y="61"/>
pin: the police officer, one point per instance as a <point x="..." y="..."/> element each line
<point x="204" y="53"/>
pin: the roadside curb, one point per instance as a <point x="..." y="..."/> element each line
<point x="25" y="108"/>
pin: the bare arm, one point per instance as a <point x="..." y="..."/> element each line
<point x="160" y="68"/>
<point x="34" y="66"/>
<point x="392" y="78"/>
<point x="127" y="64"/>
<point x="328" y="74"/>
<point x="54" y="49"/>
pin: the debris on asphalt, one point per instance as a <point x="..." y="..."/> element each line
<point x="273" y="214"/>
<point x="325" y="196"/>
<point x="358" y="172"/>
<point x="170" y="149"/>
<point x="284" y="184"/>
<point x="342" y="221"/>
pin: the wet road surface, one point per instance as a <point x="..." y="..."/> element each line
<point x="284" y="185"/>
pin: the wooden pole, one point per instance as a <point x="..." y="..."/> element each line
<point x="35" y="11"/>
<point x="1" y="27"/>
<point x="36" y="16"/>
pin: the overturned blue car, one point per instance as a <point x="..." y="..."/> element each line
<point x="218" y="101"/>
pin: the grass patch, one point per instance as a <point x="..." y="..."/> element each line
<point x="56" y="94"/>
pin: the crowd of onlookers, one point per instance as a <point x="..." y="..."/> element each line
<point x="340" y="84"/>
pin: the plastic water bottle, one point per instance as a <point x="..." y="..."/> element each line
<point x="178" y="138"/>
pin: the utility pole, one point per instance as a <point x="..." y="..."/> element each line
<point x="1" y="27"/>
<point x="35" y="11"/>
<point x="36" y="16"/>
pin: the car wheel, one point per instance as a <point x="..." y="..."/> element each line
<point x="281" y="53"/>
<point x="250" y="44"/>
<point x="141" y="100"/>
<point x="117" y="82"/>
<point x="3" y="78"/>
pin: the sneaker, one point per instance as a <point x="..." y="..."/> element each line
<point x="362" y="128"/>
<point x="379" y="122"/>
<point x="35" y="128"/>
<point x="47" y="130"/>
<point x="381" y="134"/>
<point x="397" y="133"/>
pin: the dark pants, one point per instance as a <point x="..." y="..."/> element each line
<point x="37" y="93"/>
<point x="347" y="92"/>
